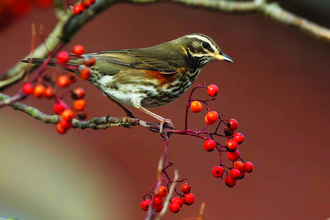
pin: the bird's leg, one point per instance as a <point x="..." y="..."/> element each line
<point x="128" y="112"/>
<point x="161" y="120"/>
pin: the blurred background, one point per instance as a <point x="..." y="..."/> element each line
<point x="277" y="88"/>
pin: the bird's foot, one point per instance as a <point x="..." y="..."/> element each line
<point x="165" y="124"/>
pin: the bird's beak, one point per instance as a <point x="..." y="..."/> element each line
<point x="223" y="57"/>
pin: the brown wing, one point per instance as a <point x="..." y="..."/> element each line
<point x="137" y="59"/>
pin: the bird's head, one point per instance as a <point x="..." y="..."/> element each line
<point x="201" y="49"/>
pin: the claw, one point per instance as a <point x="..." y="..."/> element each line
<point x="164" y="124"/>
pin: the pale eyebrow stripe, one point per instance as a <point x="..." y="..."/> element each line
<point x="204" y="39"/>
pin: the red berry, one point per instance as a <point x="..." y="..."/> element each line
<point x="228" y="132"/>
<point x="79" y="105"/>
<point x="63" y="81"/>
<point x="186" y="188"/>
<point x="63" y="57"/>
<point x="212" y="116"/>
<point x="89" y="61"/>
<point x="66" y="124"/>
<point x="233" y="155"/>
<point x="231" y="145"/>
<point x="189" y="199"/>
<point x="67" y="115"/>
<point x="49" y="92"/>
<point x="217" y="171"/>
<point x="239" y="165"/>
<point x="58" y="108"/>
<point x="60" y="129"/>
<point x="239" y="138"/>
<point x="242" y="175"/>
<point x="78" y="93"/>
<point x="28" y="88"/>
<point x="209" y="145"/>
<point x="177" y="200"/>
<point x="196" y="106"/>
<point x="174" y="207"/>
<point x="162" y="191"/>
<point x="93" y="1"/>
<point x="248" y="167"/>
<point x="72" y="78"/>
<point x="78" y="50"/>
<point x="78" y="9"/>
<point x="39" y="91"/>
<point x="145" y="204"/>
<point x="85" y="73"/>
<point x="86" y="3"/>
<point x="212" y="90"/>
<point x="230" y="182"/>
<point x="158" y="201"/>
<point x="235" y="174"/>
<point x="82" y="115"/>
<point x="232" y="124"/>
<point x="159" y="208"/>
<point x="207" y="121"/>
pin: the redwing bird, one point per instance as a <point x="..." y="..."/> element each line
<point x="153" y="76"/>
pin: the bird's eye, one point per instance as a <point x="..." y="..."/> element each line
<point x="206" y="45"/>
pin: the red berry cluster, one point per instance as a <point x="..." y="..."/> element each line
<point x="79" y="8"/>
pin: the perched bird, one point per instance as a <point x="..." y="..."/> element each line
<point x="154" y="76"/>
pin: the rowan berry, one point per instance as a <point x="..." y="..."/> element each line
<point x="186" y="188"/>
<point x="207" y="121"/>
<point x="212" y="90"/>
<point x="239" y="165"/>
<point x="145" y="204"/>
<point x="233" y="155"/>
<point x="72" y="78"/>
<point x="242" y="175"/>
<point x="217" y="171"/>
<point x="93" y="1"/>
<point x="177" y="200"/>
<point x="209" y="145"/>
<point x="248" y="167"/>
<point x="28" y="88"/>
<point x="162" y="191"/>
<point x="39" y="91"/>
<point x="85" y="73"/>
<point x="60" y="129"/>
<point x="63" y="57"/>
<point x="228" y="132"/>
<point x="67" y="115"/>
<point x="89" y="61"/>
<point x="174" y="207"/>
<point x="230" y="182"/>
<point x="86" y="3"/>
<point x="63" y="81"/>
<point x="66" y="124"/>
<point x="78" y="9"/>
<point x="212" y="116"/>
<point x="189" y="199"/>
<point x="159" y="208"/>
<point x="235" y="174"/>
<point x="158" y="201"/>
<point x="196" y="106"/>
<point x="232" y="124"/>
<point x="79" y="105"/>
<point x="78" y="50"/>
<point x="49" y="92"/>
<point x="231" y="145"/>
<point x="239" y="138"/>
<point x="82" y="115"/>
<point x="78" y="93"/>
<point x="58" y="108"/>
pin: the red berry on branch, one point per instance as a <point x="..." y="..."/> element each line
<point x="85" y="73"/>
<point x="58" y="108"/>
<point x="89" y="61"/>
<point x="230" y="182"/>
<point x="207" y="121"/>
<point x="242" y="175"/>
<point x="248" y="167"/>
<point x="212" y="90"/>
<point x="60" y="129"/>
<point x="39" y="91"/>
<point x="67" y="115"/>
<point x="72" y="78"/>
<point x="78" y="9"/>
<point x="239" y="165"/>
<point x="78" y="50"/>
<point x="189" y="199"/>
<point x="196" y="106"/>
<point x="186" y="188"/>
<point x="232" y="124"/>
<point x="63" y="57"/>
<point x="66" y="124"/>
<point x="177" y="200"/>
<point x="228" y="132"/>
<point x="145" y="204"/>
<point x="49" y="92"/>
<point x="217" y="171"/>
<point x="63" y="81"/>
<point x="78" y="93"/>
<point x="235" y="174"/>
<point x="82" y="115"/>
<point x="233" y="155"/>
<point x="79" y="105"/>
<point x="209" y="145"/>
<point x="86" y="3"/>
<point x="158" y="201"/>
<point x="159" y="208"/>
<point x="28" y="88"/>
<point x="239" y="138"/>
<point x="212" y="116"/>
<point x="231" y="145"/>
<point x="162" y="191"/>
<point x="174" y="207"/>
